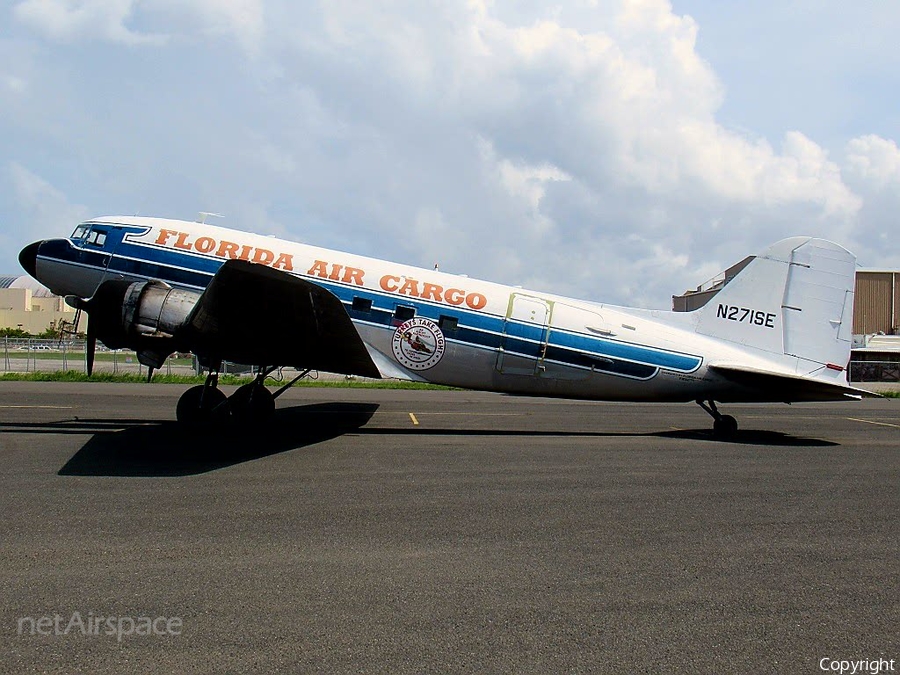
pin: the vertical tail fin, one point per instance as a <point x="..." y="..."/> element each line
<point x="794" y="300"/>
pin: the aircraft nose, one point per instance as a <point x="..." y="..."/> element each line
<point x="28" y="258"/>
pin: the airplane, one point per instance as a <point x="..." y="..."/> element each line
<point x="779" y="331"/>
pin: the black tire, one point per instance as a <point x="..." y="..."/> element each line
<point x="190" y="411"/>
<point x="252" y="403"/>
<point x="725" y="427"/>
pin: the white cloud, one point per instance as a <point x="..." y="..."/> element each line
<point x="72" y="20"/>
<point x="626" y="112"/>
<point x="78" y="19"/>
<point x="874" y="160"/>
<point x="576" y="147"/>
<point x="42" y="209"/>
<point x="15" y="84"/>
<point x="872" y="168"/>
<point x="242" y="19"/>
<point x="524" y="184"/>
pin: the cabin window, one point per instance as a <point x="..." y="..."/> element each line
<point x="96" y="238"/>
<point x="362" y="304"/>
<point x="403" y="313"/>
<point x="448" y="323"/>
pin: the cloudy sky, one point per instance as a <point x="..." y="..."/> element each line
<point x="616" y="150"/>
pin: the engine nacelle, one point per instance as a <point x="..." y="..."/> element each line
<point x="155" y="309"/>
<point x="144" y="316"/>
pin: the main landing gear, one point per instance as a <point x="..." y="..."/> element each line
<point x="724" y="426"/>
<point x="203" y="404"/>
<point x="251" y="403"/>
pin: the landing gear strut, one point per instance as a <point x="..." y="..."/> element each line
<point x="204" y="403"/>
<point x="252" y="402"/>
<point x="724" y="426"/>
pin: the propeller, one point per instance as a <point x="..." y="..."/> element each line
<point x="90" y="347"/>
<point x="104" y="310"/>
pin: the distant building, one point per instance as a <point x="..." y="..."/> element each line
<point x="876" y="308"/>
<point x="25" y="304"/>
<point x="876" y="327"/>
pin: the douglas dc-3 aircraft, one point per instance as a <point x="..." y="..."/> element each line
<point x="780" y="331"/>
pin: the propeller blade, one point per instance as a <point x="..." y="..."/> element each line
<point x="104" y="310"/>
<point x="90" y="347"/>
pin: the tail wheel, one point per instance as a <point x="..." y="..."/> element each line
<point x="725" y="426"/>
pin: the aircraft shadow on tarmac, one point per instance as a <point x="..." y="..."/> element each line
<point x="138" y="447"/>
<point x="168" y="449"/>
<point x="748" y="437"/>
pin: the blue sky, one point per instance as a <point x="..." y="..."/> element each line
<point x="619" y="151"/>
<point x="825" y="67"/>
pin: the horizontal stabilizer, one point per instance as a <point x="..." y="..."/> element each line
<point x="788" y="387"/>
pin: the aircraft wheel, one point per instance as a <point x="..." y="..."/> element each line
<point x="190" y="411"/>
<point x="725" y="427"/>
<point x="252" y="403"/>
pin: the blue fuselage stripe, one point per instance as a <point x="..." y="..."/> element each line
<point x="474" y="328"/>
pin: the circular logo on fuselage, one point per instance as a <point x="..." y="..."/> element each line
<point x="418" y="344"/>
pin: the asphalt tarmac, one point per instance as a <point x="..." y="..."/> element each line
<point x="380" y="531"/>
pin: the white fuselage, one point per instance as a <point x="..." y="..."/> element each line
<point x="490" y="336"/>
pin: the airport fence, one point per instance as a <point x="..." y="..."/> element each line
<point x="875" y="371"/>
<point x="29" y="355"/>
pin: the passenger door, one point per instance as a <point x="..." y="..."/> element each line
<point x="526" y="329"/>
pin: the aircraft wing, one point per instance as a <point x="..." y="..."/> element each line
<point x="260" y="316"/>
<point x="789" y="387"/>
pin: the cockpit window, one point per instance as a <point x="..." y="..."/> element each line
<point x="96" y="237"/>
<point x="80" y="232"/>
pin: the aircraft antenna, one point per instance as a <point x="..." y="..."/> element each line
<point x="206" y="214"/>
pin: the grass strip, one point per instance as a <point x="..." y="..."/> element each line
<point x="160" y="378"/>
